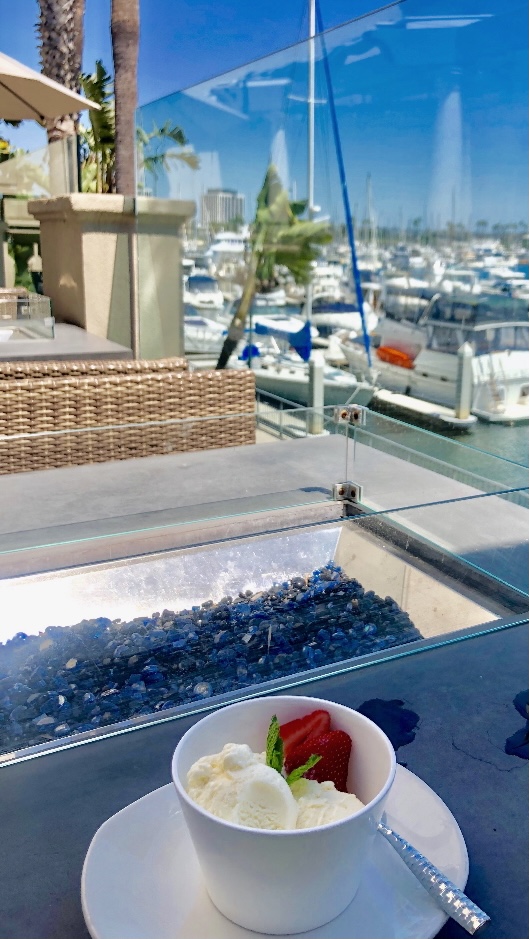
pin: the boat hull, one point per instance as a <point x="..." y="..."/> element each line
<point x="295" y="387"/>
<point x="500" y="381"/>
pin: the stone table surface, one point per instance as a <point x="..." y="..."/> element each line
<point x="462" y="695"/>
<point x="69" y="342"/>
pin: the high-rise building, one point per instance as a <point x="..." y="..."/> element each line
<point x="220" y="206"/>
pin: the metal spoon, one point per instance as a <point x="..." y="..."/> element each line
<point x="449" y="897"/>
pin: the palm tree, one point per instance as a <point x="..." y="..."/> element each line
<point x="153" y="155"/>
<point x="98" y="142"/>
<point x="60" y="29"/>
<point x="125" y="30"/>
<point x="279" y="238"/>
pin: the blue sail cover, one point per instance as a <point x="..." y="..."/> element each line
<point x="300" y="341"/>
<point x="322" y="306"/>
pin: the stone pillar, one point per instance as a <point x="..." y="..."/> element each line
<point x="316" y="399"/>
<point x="85" y="248"/>
<point x="7" y="265"/>
<point x="464" y="381"/>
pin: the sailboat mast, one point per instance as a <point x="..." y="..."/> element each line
<point x="343" y="184"/>
<point x="311" y="96"/>
<point x="310" y="140"/>
<point x="371" y="216"/>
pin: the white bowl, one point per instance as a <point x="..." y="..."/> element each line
<point x="285" y="881"/>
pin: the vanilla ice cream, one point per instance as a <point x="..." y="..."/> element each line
<point x="237" y="786"/>
<point x="321" y="803"/>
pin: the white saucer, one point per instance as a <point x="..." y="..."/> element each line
<point x="141" y="878"/>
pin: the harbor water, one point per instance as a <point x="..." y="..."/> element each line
<point x="509" y="443"/>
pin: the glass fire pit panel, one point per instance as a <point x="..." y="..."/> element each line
<point x="109" y="647"/>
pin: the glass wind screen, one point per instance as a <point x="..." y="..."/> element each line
<point x="104" y="647"/>
<point x="228" y="465"/>
<point x="454" y="459"/>
<point x="48" y="171"/>
<point x="431" y="107"/>
<point x="431" y="104"/>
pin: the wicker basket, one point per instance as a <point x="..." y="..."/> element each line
<point x="122" y="412"/>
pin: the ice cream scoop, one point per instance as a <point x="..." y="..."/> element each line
<point x="237" y="786"/>
<point x="321" y="803"/>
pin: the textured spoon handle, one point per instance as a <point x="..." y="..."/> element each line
<point x="452" y="900"/>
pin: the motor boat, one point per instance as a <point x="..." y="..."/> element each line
<point x="203" y="293"/>
<point x="285" y="375"/>
<point x="227" y="245"/>
<point x="275" y="297"/>
<point x="202" y="335"/>
<point x="459" y="280"/>
<point x="417" y="353"/>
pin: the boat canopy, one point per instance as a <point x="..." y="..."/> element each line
<point x="478" y="310"/>
<point x="319" y="305"/>
<point x="484" y="339"/>
<point x="201" y="282"/>
<point x="300" y="340"/>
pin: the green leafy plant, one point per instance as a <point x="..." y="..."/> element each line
<point x="156" y="150"/>
<point x="99" y="140"/>
<point x="279" y="238"/>
<point x="300" y="771"/>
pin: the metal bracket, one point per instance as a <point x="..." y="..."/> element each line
<point x="350" y="414"/>
<point x="348" y="492"/>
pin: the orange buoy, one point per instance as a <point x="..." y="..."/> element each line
<point x="395" y="357"/>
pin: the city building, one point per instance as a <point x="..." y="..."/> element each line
<point x="220" y="206"/>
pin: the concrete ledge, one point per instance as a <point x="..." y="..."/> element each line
<point x="120" y="207"/>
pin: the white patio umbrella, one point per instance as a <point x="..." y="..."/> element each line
<point x="28" y="95"/>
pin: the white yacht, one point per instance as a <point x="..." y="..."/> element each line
<point x="227" y="245"/>
<point x="275" y="297"/>
<point x="202" y="335"/>
<point x="202" y="292"/>
<point x="416" y="355"/>
<point x="327" y="282"/>
<point x="459" y="280"/>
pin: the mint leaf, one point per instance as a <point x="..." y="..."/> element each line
<point x="301" y="770"/>
<point x="274" y="746"/>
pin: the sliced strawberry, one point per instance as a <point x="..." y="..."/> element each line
<point x="334" y="748"/>
<point x="295" y="733"/>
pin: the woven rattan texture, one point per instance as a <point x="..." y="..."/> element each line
<point x="212" y="409"/>
<point x="66" y="369"/>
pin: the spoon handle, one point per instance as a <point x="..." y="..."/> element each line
<point x="452" y="900"/>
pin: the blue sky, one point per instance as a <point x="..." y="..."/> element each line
<point x="182" y="41"/>
<point x="432" y="98"/>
